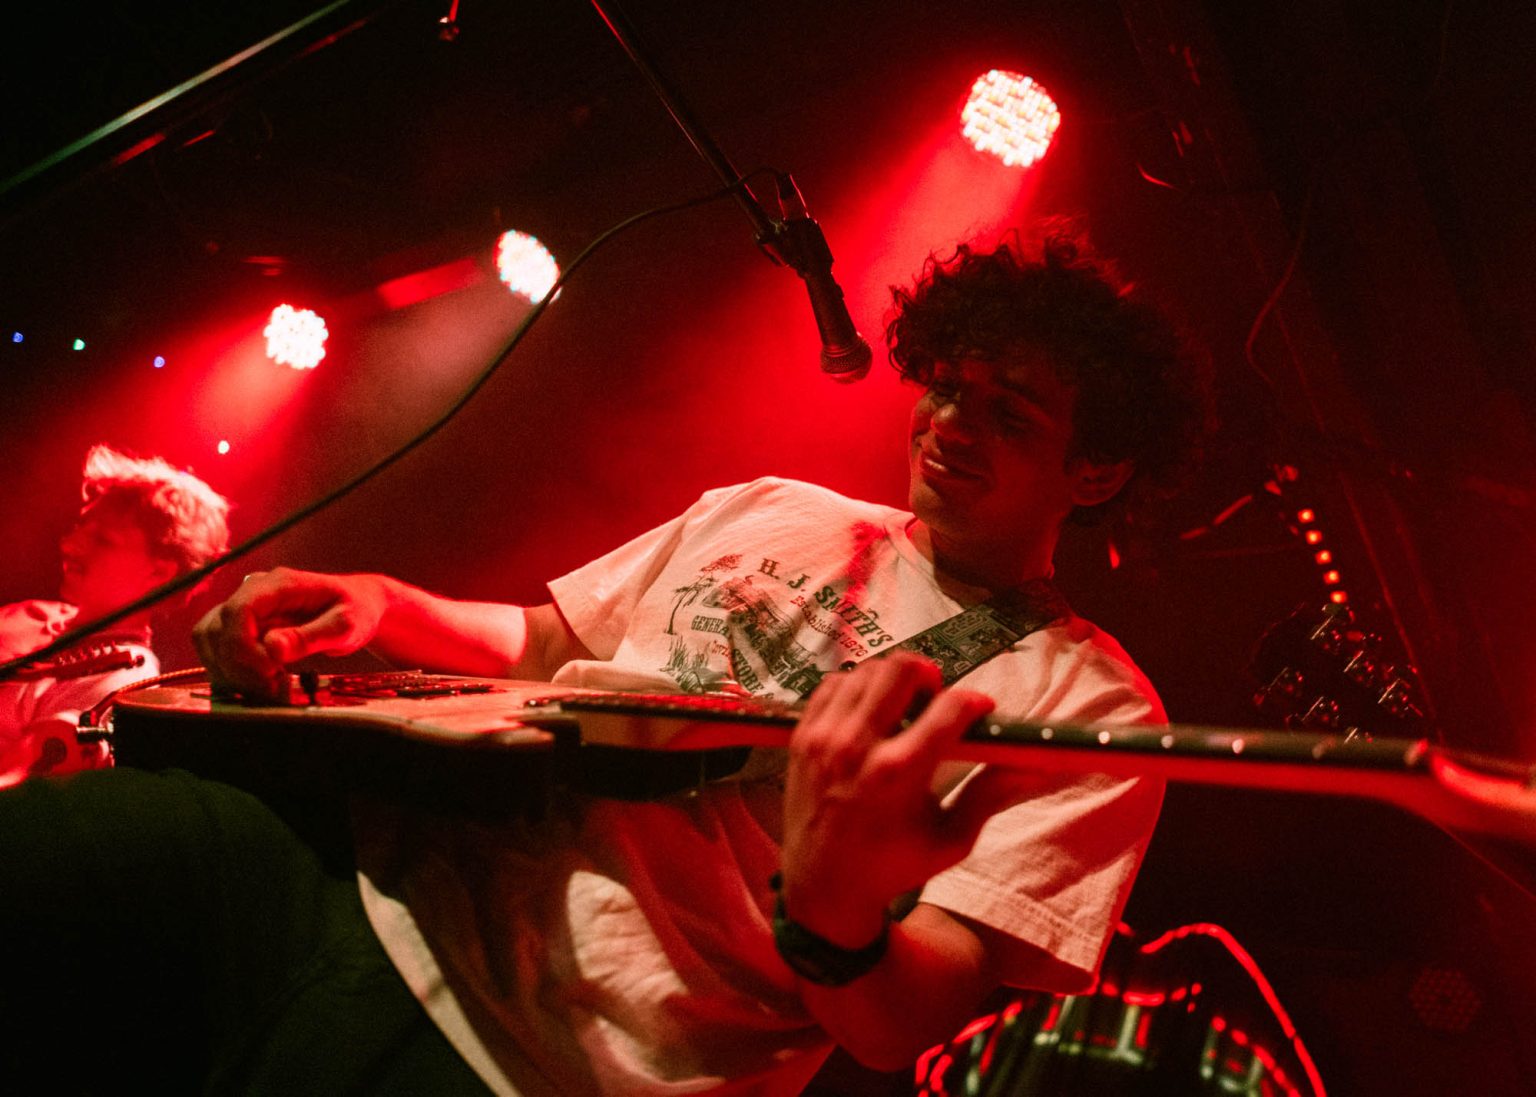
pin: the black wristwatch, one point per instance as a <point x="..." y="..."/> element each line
<point x="813" y="957"/>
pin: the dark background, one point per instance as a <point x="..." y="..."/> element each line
<point x="1331" y="195"/>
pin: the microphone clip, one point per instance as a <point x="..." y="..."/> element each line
<point x="798" y="243"/>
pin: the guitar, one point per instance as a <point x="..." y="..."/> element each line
<point x="474" y="745"/>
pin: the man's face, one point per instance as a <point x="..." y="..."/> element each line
<point x="990" y="476"/>
<point x="107" y="560"/>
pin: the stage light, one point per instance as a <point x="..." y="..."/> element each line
<point x="295" y="337"/>
<point x="1011" y="117"/>
<point x="223" y="447"/>
<point x="79" y="344"/>
<point x="16" y="337"/>
<point x="159" y="361"/>
<point x="525" y="265"/>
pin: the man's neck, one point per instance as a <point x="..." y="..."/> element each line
<point x="981" y="567"/>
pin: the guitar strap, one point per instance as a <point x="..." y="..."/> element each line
<point x="961" y="643"/>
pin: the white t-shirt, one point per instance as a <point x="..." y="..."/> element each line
<point x="625" y="948"/>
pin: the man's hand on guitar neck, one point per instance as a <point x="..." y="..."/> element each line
<point x="862" y="826"/>
<point x="277" y="617"/>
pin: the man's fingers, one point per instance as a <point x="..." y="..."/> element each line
<point x="875" y="697"/>
<point x="333" y="632"/>
<point x="228" y="646"/>
<point x="272" y="619"/>
<point x="932" y="735"/>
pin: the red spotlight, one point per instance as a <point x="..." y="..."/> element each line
<point x="1011" y="117"/>
<point x="295" y="337"/>
<point x="525" y="265"/>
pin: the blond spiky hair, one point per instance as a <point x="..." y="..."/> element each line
<point x="183" y="518"/>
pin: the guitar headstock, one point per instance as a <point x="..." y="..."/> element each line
<point x="1321" y="670"/>
<point x="85" y="660"/>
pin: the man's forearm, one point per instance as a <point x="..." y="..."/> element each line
<point x="929" y="984"/>
<point x="489" y="639"/>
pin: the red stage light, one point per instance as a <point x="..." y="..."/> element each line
<point x="1305" y="516"/>
<point x="295" y="337"/>
<point x="525" y="265"/>
<point x="1011" y="117"/>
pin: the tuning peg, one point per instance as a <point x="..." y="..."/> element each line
<point x="1324" y="713"/>
<point x="1397" y="699"/>
<point x="1338" y="613"/>
<point x="1364" y="671"/>
<point x="1283" y="691"/>
<point x="1329" y="638"/>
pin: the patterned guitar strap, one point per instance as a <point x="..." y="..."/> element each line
<point x="961" y="643"/>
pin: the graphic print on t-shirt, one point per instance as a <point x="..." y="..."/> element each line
<point x="754" y="627"/>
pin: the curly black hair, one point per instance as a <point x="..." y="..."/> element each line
<point x="1141" y="396"/>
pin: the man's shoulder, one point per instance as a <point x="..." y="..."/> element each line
<point x="791" y="495"/>
<point x="1084" y="674"/>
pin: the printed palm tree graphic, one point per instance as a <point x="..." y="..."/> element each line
<point x="691" y="670"/>
<point x="687" y="596"/>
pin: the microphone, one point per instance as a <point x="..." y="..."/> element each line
<point x="845" y="356"/>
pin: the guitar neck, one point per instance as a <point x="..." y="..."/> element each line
<point x="436" y="715"/>
<point x="1453" y="790"/>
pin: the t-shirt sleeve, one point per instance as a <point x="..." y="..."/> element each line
<point x="1053" y="872"/>
<point x="599" y="598"/>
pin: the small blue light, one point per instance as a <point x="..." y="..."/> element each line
<point x="16" y="336"/>
<point x="79" y="344"/>
<point x="159" y="360"/>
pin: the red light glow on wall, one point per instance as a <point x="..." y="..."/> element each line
<point x="1011" y="117"/>
<point x="295" y="337"/>
<point x="525" y="265"/>
<point x="423" y="285"/>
